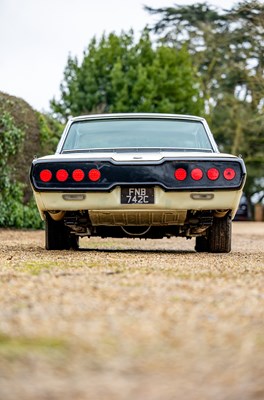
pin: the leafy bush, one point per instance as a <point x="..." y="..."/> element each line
<point x="13" y="212"/>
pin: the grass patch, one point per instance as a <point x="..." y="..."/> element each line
<point x="36" y="268"/>
<point x="20" y="345"/>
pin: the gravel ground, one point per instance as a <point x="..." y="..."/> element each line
<point x="131" y="319"/>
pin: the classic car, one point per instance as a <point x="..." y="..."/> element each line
<point x="139" y="176"/>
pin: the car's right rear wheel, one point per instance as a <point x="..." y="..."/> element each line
<point x="219" y="237"/>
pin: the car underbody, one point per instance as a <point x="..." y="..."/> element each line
<point x="203" y="225"/>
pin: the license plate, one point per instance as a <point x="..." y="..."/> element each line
<point x="137" y="195"/>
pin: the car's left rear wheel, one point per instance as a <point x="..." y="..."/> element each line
<point x="58" y="237"/>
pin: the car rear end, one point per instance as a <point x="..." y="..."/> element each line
<point x="149" y="192"/>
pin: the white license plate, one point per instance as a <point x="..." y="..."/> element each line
<point x="141" y="195"/>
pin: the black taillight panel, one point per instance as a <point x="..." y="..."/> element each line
<point x="106" y="174"/>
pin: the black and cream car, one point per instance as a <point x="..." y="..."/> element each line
<point x="140" y="176"/>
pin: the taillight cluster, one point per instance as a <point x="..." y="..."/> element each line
<point x="197" y="174"/>
<point x="61" y="175"/>
<point x="86" y="175"/>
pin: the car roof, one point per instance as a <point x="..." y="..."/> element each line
<point x="136" y="115"/>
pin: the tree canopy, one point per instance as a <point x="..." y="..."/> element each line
<point x="118" y="74"/>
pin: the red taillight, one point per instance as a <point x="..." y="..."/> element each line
<point x="197" y="174"/>
<point x="180" y="174"/>
<point x="229" y="174"/>
<point x="45" y="175"/>
<point x="78" y="175"/>
<point x="213" y="174"/>
<point x="94" y="175"/>
<point x="62" y="175"/>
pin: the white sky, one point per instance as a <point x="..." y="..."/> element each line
<point x="36" y="37"/>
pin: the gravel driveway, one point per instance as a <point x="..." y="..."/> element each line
<point x="130" y="319"/>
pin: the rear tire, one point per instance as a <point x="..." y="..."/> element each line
<point x="220" y="233"/>
<point x="57" y="236"/>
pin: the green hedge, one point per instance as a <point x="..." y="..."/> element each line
<point x="13" y="211"/>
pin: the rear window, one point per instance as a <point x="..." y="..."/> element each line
<point x="135" y="133"/>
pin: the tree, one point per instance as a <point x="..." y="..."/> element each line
<point x="119" y="75"/>
<point x="227" y="48"/>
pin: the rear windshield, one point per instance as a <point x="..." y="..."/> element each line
<point x="131" y="133"/>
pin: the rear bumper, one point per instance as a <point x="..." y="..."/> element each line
<point x="109" y="202"/>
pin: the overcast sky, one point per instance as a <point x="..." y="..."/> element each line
<point x="36" y="37"/>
